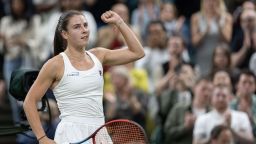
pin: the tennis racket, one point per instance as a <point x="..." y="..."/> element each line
<point x="121" y="131"/>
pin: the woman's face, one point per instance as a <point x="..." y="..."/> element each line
<point x="211" y="5"/>
<point x="220" y="59"/>
<point x="167" y="12"/>
<point x="77" y="33"/>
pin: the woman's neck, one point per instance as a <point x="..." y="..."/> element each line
<point x="75" y="54"/>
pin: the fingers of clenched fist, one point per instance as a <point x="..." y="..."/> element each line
<point x="107" y="15"/>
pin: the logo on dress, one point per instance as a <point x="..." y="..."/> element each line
<point x="100" y="72"/>
<point x="73" y="74"/>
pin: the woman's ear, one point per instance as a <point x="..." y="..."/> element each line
<point x="64" y="34"/>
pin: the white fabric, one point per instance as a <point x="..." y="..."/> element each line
<point x="79" y="97"/>
<point x="79" y="93"/>
<point x="76" y="129"/>
<point x="205" y="123"/>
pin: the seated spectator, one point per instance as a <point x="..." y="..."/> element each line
<point x="221" y="134"/>
<point x="222" y="114"/>
<point x="245" y="98"/>
<point x="125" y="102"/>
<point x="176" y="48"/>
<point x="173" y="23"/>
<point x="177" y="87"/>
<point x="155" y="53"/>
<point x="179" y="124"/>
<point x="147" y="10"/>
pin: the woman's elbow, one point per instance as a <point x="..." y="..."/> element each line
<point x="28" y="102"/>
<point x="142" y="54"/>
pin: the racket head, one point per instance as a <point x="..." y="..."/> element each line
<point x="120" y="131"/>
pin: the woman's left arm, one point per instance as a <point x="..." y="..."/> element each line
<point x="132" y="52"/>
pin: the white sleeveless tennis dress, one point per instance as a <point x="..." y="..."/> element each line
<point x="79" y="98"/>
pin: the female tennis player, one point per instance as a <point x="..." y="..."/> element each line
<point x="76" y="77"/>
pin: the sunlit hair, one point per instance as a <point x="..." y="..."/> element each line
<point x="222" y="6"/>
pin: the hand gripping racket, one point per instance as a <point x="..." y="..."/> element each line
<point x="119" y="131"/>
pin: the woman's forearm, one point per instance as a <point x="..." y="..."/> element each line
<point x="33" y="118"/>
<point x="131" y="39"/>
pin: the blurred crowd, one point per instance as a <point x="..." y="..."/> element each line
<point x="196" y="83"/>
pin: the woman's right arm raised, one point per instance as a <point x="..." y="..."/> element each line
<point x="44" y="80"/>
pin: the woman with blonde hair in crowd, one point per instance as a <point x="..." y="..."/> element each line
<point x="210" y="26"/>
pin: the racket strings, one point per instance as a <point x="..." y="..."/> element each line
<point x="121" y="133"/>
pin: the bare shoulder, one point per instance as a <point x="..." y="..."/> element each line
<point x="53" y="67"/>
<point x="99" y="52"/>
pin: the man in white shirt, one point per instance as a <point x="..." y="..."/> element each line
<point x="222" y="115"/>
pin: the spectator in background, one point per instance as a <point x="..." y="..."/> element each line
<point x="45" y="8"/>
<point x="244" y="42"/>
<point x="222" y="78"/>
<point x="221" y="59"/>
<point x="246" y="5"/>
<point x="20" y="42"/>
<point x="126" y="101"/>
<point x="172" y="23"/>
<point x="222" y="114"/>
<point x="209" y="27"/>
<point x="155" y="53"/>
<point x="147" y="11"/>
<point x="221" y="134"/>
<point x="177" y="52"/>
<point x="108" y="36"/>
<point x="179" y="124"/>
<point x="185" y="9"/>
<point x="245" y="98"/>
<point x="176" y="87"/>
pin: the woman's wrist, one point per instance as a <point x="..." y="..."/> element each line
<point x="119" y="22"/>
<point x="40" y="138"/>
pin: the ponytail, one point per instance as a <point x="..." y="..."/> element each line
<point x="59" y="42"/>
